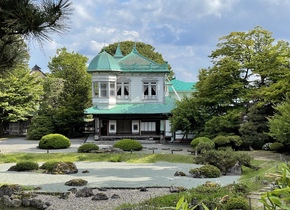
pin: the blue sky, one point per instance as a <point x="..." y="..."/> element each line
<point x="185" y="32"/>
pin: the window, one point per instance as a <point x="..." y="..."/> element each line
<point x="112" y="89"/>
<point x="96" y="88"/>
<point x="148" y="126"/>
<point x="149" y="90"/>
<point x="103" y="89"/>
<point x="123" y="90"/>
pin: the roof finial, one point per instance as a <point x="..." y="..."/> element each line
<point x="118" y="52"/>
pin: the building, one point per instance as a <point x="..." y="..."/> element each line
<point x="131" y="98"/>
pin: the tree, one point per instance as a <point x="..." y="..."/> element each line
<point x="68" y="107"/>
<point x="279" y="124"/>
<point x="249" y="69"/>
<point x="20" y="94"/>
<point x="31" y="20"/>
<point x="144" y="49"/>
<point x="186" y="117"/>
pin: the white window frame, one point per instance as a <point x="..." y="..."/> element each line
<point x="151" y="88"/>
<point x="148" y="126"/>
<point x="121" y="87"/>
<point x="104" y="89"/>
<point x="112" y="126"/>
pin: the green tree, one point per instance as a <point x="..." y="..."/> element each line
<point x="144" y="49"/>
<point x="29" y="19"/>
<point x="20" y="94"/>
<point x="68" y="107"/>
<point x="249" y="69"/>
<point x="186" y="117"/>
<point x="279" y="124"/>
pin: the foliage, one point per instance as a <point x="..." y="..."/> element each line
<point x="233" y="141"/>
<point x="206" y="171"/>
<point x="237" y="203"/>
<point x="202" y="144"/>
<point x="20" y="94"/>
<point x="128" y="145"/>
<point x="221" y="140"/>
<point x="88" y="147"/>
<point x="279" y="123"/>
<point x="279" y="198"/>
<point x="144" y="49"/>
<point x="26" y="166"/>
<point x="29" y="19"/>
<point x="277" y="146"/>
<point x="54" y="141"/>
<point x="186" y="116"/>
<point x="40" y="125"/>
<point x="197" y="140"/>
<point x="49" y="165"/>
<point x="224" y="160"/>
<point x="72" y="85"/>
<point x="255" y="127"/>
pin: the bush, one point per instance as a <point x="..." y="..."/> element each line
<point x="237" y="203"/>
<point x="197" y="140"/>
<point x="49" y="165"/>
<point x="26" y="166"/>
<point x="87" y="148"/>
<point x="277" y="146"/>
<point x="128" y="145"/>
<point x="221" y="140"/>
<point x="40" y="125"/>
<point x="54" y="141"/>
<point x="206" y="171"/>
<point x="235" y="140"/>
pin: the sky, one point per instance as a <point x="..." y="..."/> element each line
<point x="185" y="32"/>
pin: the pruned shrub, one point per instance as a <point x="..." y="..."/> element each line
<point x="197" y="140"/>
<point x="54" y="141"/>
<point x="202" y="144"/>
<point x="277" y="146"/>
<point x="235" y="140"/>
<point x="128" y="145"/>
<point x="206" y="171"/>
<point x="49" y="165"/>
<point x="221" y="140"/>
<point x="237" y="203"/>
<point x="87" y="148"/>
<point x="26" y="166"/>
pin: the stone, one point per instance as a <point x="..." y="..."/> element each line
<point x="100" y="196"/>
<point x="76" y="182"/>
<point x="143" y="189"/>
<point x="173" y="189"/>
<point x="64" y="168"/>
<point x="85" y="171"/>
<point x="235" y="170"/>
<point x="179" y="173"/>
<point x="85" y="192"/>
<point x="64" y="195"/>
<point x="73" y="190"/>
<point x="102" y="189"/>
<point x="115" y="196"/>
<point x="9" y="189"/>
<point x="37" y="203"/>
<point x="26" y="202"/>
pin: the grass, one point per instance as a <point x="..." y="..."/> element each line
<point x="73" y="157"/>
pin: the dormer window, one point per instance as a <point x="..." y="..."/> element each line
<point x="149" y="90"/>
<point x="123" y="90"/>
<point x="104" y="89"/>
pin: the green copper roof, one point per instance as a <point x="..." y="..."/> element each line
<point x="148" y="108"/>
<point x="103" y="62"/>
<point x="181" y="86"/>
<point x="135" y="62"/>
<point x="118" y="53"/>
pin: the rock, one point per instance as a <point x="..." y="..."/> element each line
<point x="64" y="168"/>
<point x="37" y="203"/>
<point x="100" y="196"/>
<point x="115" y="196"/>
<point x="9" y="189"/>
<point x="26" y="202"/>
<point x="76" y="182"/>
<point x="143" y="189"/>
<point x="85" y="171"/>
<point x="85" y="192"/>
<point x="179" y="173"/>
<point x="102" y="189"/>
<point x="235" y="170"/>
<point x="64" y="195"/>
<point x="173" y="189"/>
<point x="73" y="190"/>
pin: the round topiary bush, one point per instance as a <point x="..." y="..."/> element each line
<point x="206" y="171"/>
<point x="54" y="141"/>
<point x="87" y="148"/>
<point x="276" y="146"/>
<point x="221" y="140"/>
<point x="197" y="140"/>
<point x="128" y="145"/>
<point x="49" y="165"/>
<point x="26" y="166"/>
<point x="237" y="203"/>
